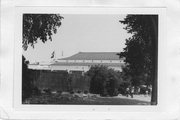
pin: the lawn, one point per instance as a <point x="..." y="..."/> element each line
<point x="76" y="100"/>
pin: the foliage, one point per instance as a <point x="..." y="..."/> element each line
<point x="140" y="52"/>
<point x="39" y="26"/>
<point x="111" y="82"/>
<point x="27" y="83"/>
<point x="103" y="80"/>
<point x="36" y="27"/>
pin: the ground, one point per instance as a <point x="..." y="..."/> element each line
<point x="94" y="100"/>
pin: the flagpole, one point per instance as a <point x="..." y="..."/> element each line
<point x="54" y="55"/>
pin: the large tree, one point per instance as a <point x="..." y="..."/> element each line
<point x="140" y="52"/>
<point x="36" y="27"/>
<point x="39" y="27"/>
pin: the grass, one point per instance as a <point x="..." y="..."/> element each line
<point x="74" y="100"/>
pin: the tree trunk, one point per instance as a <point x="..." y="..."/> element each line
<point x="154" y="61"/>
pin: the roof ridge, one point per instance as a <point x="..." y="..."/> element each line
<point x="93" y="56"/>
<point x="97" y="52"/>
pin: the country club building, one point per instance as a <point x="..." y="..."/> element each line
<point x="82" y="61"/>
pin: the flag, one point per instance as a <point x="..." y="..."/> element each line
<point x="52" y="55"/>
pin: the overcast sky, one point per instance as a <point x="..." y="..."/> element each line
<point x="82" y="33"/>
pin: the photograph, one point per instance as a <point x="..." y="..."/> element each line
<point x="89" y="59"/>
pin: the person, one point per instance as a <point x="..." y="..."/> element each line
<point x="127" y="91"/>
<point x="132" y="92"/>
<point x="150" y="91"/>
<point x="146" y="92"/>
<point x="138" y="91"/>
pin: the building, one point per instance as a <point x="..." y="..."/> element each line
<point x="82" y="61"/>
<point x="55" y="75"/>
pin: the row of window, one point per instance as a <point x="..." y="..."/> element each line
<point x="92" y="61"/>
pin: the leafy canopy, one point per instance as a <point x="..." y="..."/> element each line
<point x="39" y="26"/>
<point x="139" y="52"/>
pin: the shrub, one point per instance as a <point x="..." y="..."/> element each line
<point x="72" y="92"/>
<point x="36" y="91"/>
<point x="47" y="91"/>
<point x="59" y="91"/>
<point x="27" y="81"/>
<point x="86" y="92"/>
<point x="103" y="80"/>
<point x="78" y="91"/>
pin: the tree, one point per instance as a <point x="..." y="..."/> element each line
<point x="27" y="84"/>
<point x="140" y="52"/>
<point x="36" y="27"/>
<point x="39" y="26"/>
<point x="103" y="81"/>
<point x="98" y="75"/>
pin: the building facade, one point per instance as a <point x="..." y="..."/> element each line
<point x="57" y="74"/>
<point x="82" y="61"/>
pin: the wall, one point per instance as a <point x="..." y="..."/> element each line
<point x="60" y="80"/>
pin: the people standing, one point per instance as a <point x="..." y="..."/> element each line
<point x="132" y="92"/>
<point x="127" y="91"/>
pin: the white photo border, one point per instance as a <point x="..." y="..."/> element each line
<point x="83" y="10"/>
<point x="15" y="109"/>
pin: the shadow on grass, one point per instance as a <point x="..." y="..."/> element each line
<point x="69" y="100"/>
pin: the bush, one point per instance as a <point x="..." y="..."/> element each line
<point x="78" y="91"/>
<point x="72" y="92"/>
<point x="47" y="91"/>
<point x="59" y="91"/>
<point x="122" y="88"/>
<point x="36" y="91"/>
<point x="86" y="92"/>
<point x="103" y="80"/>
<point x="27" y="81"/>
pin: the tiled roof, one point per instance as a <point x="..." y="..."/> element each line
<point x="93" y="56"/>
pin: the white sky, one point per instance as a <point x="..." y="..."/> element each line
<point x="82" y="33"/>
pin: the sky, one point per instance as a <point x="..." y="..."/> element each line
<point x="81" y="33"/>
